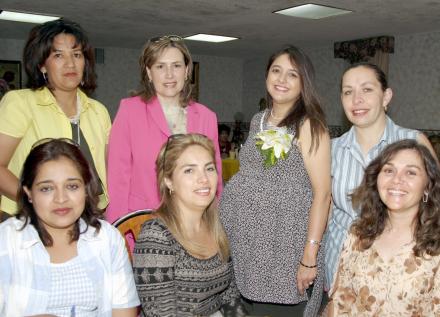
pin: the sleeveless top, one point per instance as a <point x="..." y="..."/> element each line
<point x="265" y="212"/>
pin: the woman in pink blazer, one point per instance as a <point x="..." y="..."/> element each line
<point x="144" y="122"/>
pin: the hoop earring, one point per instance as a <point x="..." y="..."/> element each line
<point x="425" y="197"/>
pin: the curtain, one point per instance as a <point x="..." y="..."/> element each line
<point x="375" y="50"/>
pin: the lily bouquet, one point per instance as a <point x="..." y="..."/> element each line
<point x="274" y="145"/>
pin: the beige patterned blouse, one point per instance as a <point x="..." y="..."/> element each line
<point x="366" y="285"/>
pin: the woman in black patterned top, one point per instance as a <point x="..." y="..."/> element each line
<point x="275" y="208"/>
<point x="181" y="259"/>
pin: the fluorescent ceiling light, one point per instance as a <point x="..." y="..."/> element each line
<point x="25" y="17"/>
<point x="210" y="38"/>
<point x="312" y="11"/>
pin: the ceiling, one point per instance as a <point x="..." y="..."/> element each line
<point x="129" y="23"/>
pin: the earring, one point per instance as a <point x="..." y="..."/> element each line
<point x="425" y="197"/>
<point x="82" y="82"/>
<point x="44" y="76"/>
<point x="171" y="191"/>
<point x="30" y="200"/>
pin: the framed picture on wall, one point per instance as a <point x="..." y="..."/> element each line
<point x="10" y="74"/>
<point x="195" y="81"/>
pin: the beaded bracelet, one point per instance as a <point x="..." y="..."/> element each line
<point x="311" y="241"/>
<point x="308" y="266"/>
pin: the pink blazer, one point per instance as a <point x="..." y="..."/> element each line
<point x="137" y="134"/>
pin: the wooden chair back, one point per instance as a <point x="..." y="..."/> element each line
<point x="131" y="224"/>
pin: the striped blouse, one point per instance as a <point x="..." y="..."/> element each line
<point x="348" y="164"/>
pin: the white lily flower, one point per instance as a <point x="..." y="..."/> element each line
<point x="278" y="142"/>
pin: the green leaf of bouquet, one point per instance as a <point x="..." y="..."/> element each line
<point x="273" y="159"/>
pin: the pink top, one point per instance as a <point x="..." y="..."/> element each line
<point x="137" y="134"/>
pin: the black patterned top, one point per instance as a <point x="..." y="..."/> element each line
<point x="171" y="282"/>
<point x="265" y="212"/>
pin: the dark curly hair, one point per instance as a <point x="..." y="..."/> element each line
<point x="51" y="150"/>
<point x="39" y="46"/>
<point x="374" y="215"/>
<point x="308" y="105"/>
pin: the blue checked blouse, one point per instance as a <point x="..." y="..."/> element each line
<point x="348" y="164"/>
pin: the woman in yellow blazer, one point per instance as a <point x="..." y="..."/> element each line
<point x="59" y="62"/>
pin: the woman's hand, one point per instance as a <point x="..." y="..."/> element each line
<point x="305" y="277"/>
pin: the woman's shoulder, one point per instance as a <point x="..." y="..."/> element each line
<point x="258" y="115"/>
<point x="256" y="118"/>
<point x="10" y="224"/>
<point x="132" y="107"/>
<point x="107" y="226"/>
<point x="156" y="229"/>
<point x="255" y="121"/>
<point x="106" y="230"/>
<point x="351" y="245"/>
<point x="134" y="102"/>
<point x="99" y="108"/>
<point x="19" y="97"/>
<point x="96" y="104"/>
<point x="341" y="140"/>
<point x="14" y="231"/>
<point x="26" y="92"/>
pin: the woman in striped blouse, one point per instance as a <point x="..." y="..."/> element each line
<point x="365" y="97"/>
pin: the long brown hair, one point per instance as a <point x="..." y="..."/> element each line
<point x="151" y="52"/>
<point x="308" y="105"/>
<point x="168" y="211"/>
<point x="374" y="215"/>
<point x="52" y="150"/>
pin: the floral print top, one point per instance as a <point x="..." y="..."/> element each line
<point x="367" y="285"/>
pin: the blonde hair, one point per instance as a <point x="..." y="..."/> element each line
<point x="168" y="211"/>
<point x="151" y="52"/>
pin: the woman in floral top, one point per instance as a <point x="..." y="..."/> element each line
<point x="390" y="262"/>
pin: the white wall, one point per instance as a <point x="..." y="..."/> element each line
<point x="221" y="85"/>
<point x="231" y="85"/>
<point x="117" y="76"/>
<point x="415" y="79"/>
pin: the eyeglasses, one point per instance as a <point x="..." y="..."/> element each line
<point x="171" y="38"/>
<point x="171" y="137"/>
<point x="47" y="140"/>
